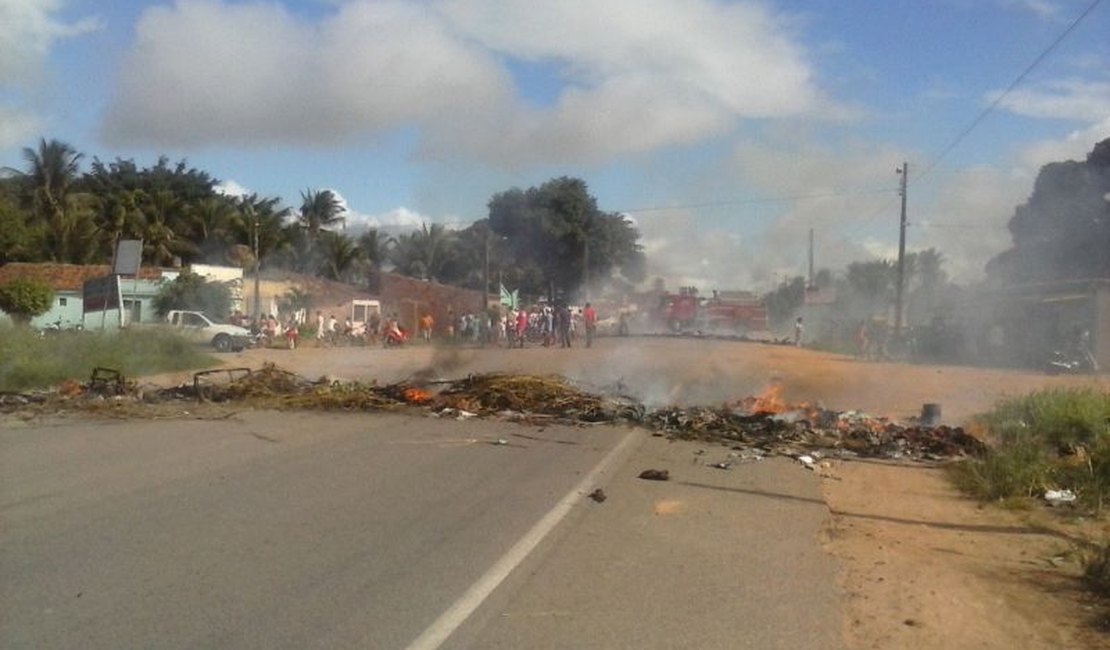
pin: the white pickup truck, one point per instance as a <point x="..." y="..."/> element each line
<point x="196" y="326"/>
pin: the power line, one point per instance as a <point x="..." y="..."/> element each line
<point x="1014" y="84"/>
<point x="966" y="131"/>
<point x="757" y="201"/>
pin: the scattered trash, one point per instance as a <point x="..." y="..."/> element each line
<point x="501" y="441"/>
<point x="597" y="495"/>
<point x="1059" y="497"/>
<point x="655" y="475"/>
<point x="807" y="461"/>
<point x="454" y="413"/>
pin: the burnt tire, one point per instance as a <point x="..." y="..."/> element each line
<point x="222" y="343"/>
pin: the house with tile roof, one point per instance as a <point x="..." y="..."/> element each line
<point x="68" y="281"/>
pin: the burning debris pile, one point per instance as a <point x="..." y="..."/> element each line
<point x="496" y="394"/>
<point x="765" y="422"/>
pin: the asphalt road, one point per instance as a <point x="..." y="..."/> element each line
<point x="302" y="530"/>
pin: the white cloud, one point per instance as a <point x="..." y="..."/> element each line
<point x="28" y="29"/>
<point x="1070" y="99"/>
<point x="397" y="218"/>
<point x="1074" y="146"/>
<point x="1042" y="8"/>
<point x="231" y="188"/>
<point x="847" y="195"/>
<point x="638" y="75"/>
<point x="17" y="125"/>
<point x="264" y="75"/>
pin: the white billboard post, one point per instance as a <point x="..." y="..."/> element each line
<point x="126" y="262"/>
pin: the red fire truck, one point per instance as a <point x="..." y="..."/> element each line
<point x="728" y="312"/>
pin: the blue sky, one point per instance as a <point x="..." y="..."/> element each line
<point x="726" y="130"/>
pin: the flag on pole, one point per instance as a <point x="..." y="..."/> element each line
<point x="508" y="298"/>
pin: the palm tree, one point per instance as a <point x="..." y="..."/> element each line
<point x="375" y="247"/>
<point x="208" y="223"/>
<point x="264" y="217"/>
<point x="424" y="253"/>
<point x="163" y="222"/>
<point x="320" y="210"/>
<point x="340" y="255"/>
<point x="52" y="172"/>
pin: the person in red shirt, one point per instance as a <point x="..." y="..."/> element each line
<point x="521" y="326"/>
<point x="589" y="316"/>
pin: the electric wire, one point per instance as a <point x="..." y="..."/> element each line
<point x="967" y="130"/>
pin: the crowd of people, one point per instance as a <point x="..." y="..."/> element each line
<point x="547" y="325"/>
<point x="544" y="325"/>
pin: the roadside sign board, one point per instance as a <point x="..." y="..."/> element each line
<point x="101" y="294"/>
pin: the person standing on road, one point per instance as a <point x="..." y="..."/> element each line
<point x="862" y="340"/>
<point x="291" y="333"/>
<point x="426" y="325"/>
<point x="589" y="318"/>
<point x="562" y="324"/>
<point x="799" y="330"/>
<point x="320" y="327"/>
<point x="548" y="326"/>
<point x="521" y="326"/>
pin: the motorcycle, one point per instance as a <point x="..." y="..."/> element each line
<point x="394" y="337"/>
<point x="1070" y="362"/>
<point x="50" y="329"/>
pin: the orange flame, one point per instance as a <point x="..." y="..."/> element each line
<point x="414" y="395"/>
<point x="768" y="402"/>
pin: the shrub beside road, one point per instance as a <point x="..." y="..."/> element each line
<point x="30" y="360"/>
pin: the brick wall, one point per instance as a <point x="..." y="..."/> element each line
<point x="410" y="298"/>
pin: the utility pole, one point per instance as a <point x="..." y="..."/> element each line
<point x="811" y="285"/>
<point x="485" y="277"/>
<point x="904" y="172"/>
<point x="586" y="266"/>
<point x="257" y="261"/>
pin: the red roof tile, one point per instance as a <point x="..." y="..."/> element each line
<point x="65" y="277"/>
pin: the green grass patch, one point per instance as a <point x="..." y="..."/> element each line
<point x="1015" y="470"/>
<point x="1053" y="439"/>
<point x="1062" y="418"/>
<point x="28" y="360"/>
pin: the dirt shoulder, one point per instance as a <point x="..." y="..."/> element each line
<point x="924" y="567"/>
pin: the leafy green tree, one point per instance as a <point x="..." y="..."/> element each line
<point x="173" y="208"/>
<point x="784" y="302"/>
<point x="19" y="238"/>
<point x="557" y="233"/>
<point x="873" y="281"/>
<point x="25" y="298"/>
<point x="192" y="292"/>
<point x="466" y="264"/>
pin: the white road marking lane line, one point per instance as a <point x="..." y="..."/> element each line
<point x="456" y="615"/>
